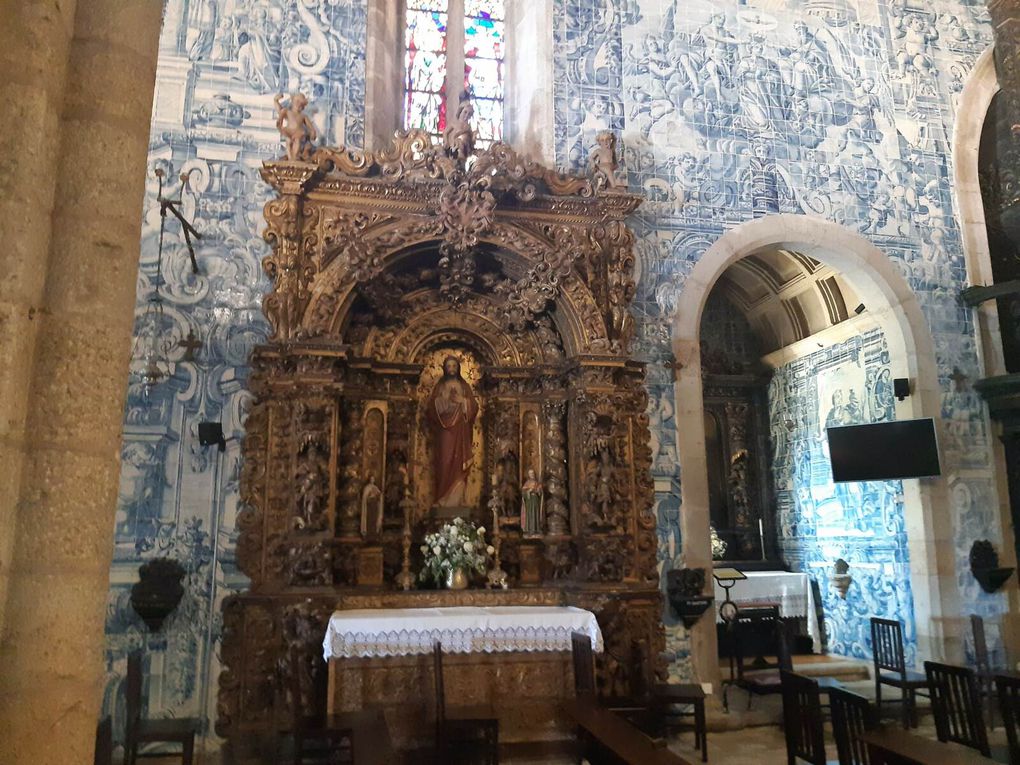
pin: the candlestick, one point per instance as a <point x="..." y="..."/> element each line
<point x="761" y="537"/>
<point x="405" y="580"/>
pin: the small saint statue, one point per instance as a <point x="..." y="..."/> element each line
<point x="531" y="505"/>
<point x="310" y="494"/>
<point x="451" y="412"/>
<point x="371" y="508"/>
<point x="604" y="163"/>
<point x="296" y="127"/>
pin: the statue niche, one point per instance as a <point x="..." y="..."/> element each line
<point x="450" y="336"/>
<point x="451" y="410"/>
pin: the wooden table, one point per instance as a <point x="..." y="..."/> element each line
<point x="618" y="736"/>
<point x="892" y="746"/>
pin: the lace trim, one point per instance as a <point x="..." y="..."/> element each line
<point x="471" y="640"/>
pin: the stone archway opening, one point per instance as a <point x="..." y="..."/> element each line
<point x="893" y="309"/>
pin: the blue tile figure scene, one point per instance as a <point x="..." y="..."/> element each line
<point x="726" y="112"/>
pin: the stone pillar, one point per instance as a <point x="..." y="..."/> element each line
<point x="695" y="521"/>
<point x="34" y="43"/>
<point x="82" y="311"/>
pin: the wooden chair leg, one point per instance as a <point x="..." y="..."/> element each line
<point x="702" y="728"/>
<point x="878" y="696"/>
<point x="188" y="752"/>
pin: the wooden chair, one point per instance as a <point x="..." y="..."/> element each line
<point x="887" y="654"/>
<point x="802" y="719"/>
<point x="140" y="731"/>
<point x="584" y="664"/>
<point x="1008" y="687"/>
<point x="852" y="715"/>
<point x="761" y="677"/>
<point x="982" y="666"/>
<point x="956" y="705"/>
<point x="315" y="737"/>
<point x="463" y="734"/>
<point x="670" y="702"/>
<point x="104" y="742"/>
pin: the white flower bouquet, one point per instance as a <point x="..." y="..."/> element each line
<point x="457" y="545"/>
<point x="718" y="545"/>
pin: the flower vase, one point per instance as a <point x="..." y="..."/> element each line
<point x="456" y="579"/>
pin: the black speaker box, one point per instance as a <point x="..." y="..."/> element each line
<point x="901" y="387"/>
<point x="211" y="433"/>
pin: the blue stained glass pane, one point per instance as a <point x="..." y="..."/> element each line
<point x="425" y="31"/>
<point x="483" y="38"/>
<point x="491" y="8"/>
<point x="425" y="71"/>
<point x="427" y="5"/>
<point x="484" y="77"/>
<point x="488" y="120"/>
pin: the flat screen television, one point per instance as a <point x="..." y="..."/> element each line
<point x="884" y="451"/>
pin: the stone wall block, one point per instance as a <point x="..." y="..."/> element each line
<point x="81" y="365"/>
<point x="65" y="521"/>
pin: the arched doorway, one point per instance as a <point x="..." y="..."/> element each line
<point x="894" y="308"/>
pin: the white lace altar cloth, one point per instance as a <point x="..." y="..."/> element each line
<point x="462" y="629"/>
<point x="792" y="592"/>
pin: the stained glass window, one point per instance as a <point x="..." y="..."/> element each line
<point x="484" y="47"/>
<point x="429" y="55"/>
<point x="425" y="65"/>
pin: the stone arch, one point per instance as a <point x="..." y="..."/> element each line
<point x="971" y="111"/>
<point x="892" y="304"/>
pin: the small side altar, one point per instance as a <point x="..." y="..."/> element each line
<point x="514" y="658"/>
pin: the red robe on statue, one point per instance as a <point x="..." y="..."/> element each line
<point x="451" y="411"/>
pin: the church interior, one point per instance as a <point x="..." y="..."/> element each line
<point x="522" y="381"/>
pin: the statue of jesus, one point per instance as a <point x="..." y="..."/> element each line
<point x="451" y="412"/>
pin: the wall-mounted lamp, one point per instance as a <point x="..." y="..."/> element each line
<point x="841" y="579"/>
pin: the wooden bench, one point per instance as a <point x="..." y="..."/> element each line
<point x="888" y="746"/>
<point x="618" y="737"/>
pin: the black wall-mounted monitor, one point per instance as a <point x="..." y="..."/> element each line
<point x="884" y="451"/>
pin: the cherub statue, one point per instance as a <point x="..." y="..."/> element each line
<point x="603" y="161"/>
<point x="458" y="136"/>
<point x="295" y="126"/>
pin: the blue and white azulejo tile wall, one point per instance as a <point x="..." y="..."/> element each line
<point x="837" y="109"/>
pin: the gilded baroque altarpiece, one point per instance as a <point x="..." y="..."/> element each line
<point x="383" y="266"/>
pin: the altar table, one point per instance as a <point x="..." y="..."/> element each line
<point x="514" y="658"/>
<point x="790" y="591"/>
<point x="460" y="629"/>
